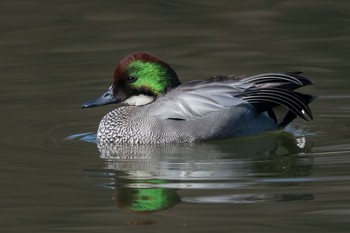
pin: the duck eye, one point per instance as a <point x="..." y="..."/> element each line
<point x="132" y="79"/>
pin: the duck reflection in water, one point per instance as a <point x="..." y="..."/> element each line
<point x="147" y="177"/>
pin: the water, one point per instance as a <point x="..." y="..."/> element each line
<point x="57" y="54"/>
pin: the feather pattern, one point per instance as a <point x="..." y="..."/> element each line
<point x="199" y="98"/>
<point x="286" y="98"/>
<point x="264" y="92"/>
<point x="289" y="81"/>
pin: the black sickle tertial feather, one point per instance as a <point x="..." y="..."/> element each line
<point x="274" y="96"/>
<point x="290" y="81"/>
<point x="272" y="77"/>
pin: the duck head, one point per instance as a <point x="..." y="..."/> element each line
<point x="138" y="79"/>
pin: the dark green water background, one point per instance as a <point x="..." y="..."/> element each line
<point x="54" y="55"/>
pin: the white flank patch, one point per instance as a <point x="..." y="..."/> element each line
<point x="138" y="100"/>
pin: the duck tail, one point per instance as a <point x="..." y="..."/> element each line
<point x="288" y="81"/>
<point x="274" y="93"/>
<point x="283" y="116"/>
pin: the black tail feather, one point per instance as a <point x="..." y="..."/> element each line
<point x="267" y="98"/>
<point x="275" y="89"/>
<point x="290" y="116"/>
<point x="289" y="81"/>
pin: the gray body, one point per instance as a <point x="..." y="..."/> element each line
<point x="196" y="111"/>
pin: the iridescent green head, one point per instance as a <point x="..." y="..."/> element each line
<point x="138" y="79"/>
<point x="142" y="73"/>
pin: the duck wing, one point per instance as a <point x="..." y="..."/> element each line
<point x="289" y="80"/>
<point x="275" y="89"/>
<point x="199" y="98"/>
<point x="265" y="92"/>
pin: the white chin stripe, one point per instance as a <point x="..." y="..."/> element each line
<point x="138" y="100"/>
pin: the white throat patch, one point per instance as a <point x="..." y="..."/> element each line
<point x="138" y="100"/>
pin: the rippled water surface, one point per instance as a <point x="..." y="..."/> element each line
<point x="54" y="55"/>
